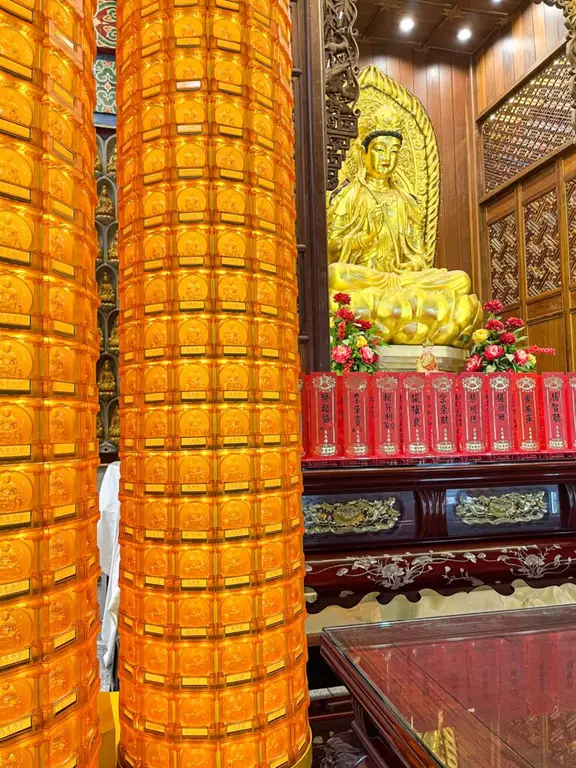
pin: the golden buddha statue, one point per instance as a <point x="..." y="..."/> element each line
<point x="114" y="338"/>
<point x="113" y="250"/>
<point x="99" y="427"/>
<point x="107" y="381"/>
<point x="106" y="291"/>
<point x="114" y="428"/>
<point x="382" y="224"/>
<point x="97" y="165"/>
<point x="105" y="207"/>
<point x="111" y="164"/>
<point x="101" y="339"/>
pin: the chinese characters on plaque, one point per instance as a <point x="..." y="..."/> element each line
<point x="408" y="416"/>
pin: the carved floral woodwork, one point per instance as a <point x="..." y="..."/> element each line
<point x="504" y="276"/>
<point x="356" y="516"/>
<point x="346" y="580"/>
<point x="340" y="83"/>
<point x="506" y="509"/>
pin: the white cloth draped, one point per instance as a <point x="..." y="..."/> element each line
<point x="108" y="527"/>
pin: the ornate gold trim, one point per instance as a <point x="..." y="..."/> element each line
<point x="357" y="516"/>
<point x="508" y="509"/>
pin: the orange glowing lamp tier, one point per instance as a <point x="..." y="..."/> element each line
<point x="48" y="399"/>
<point x="212" y="639"/>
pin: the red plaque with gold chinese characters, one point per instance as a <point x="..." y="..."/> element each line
<point x="416" y="435"/>
<point x="500" y="413"/>
<point x="323" y="416"/>
<point x="356" y="404"/>
<point x="555" y="411"/>
<point x="571" y="404"/>
<point x="443" y="424"/>
<point x="386" y="400"/>
<point x="527" y="422"/>
<point x="473" y="413"/>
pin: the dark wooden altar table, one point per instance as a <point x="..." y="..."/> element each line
<point x="493" y="690"/>
<point x="451" y="527"/>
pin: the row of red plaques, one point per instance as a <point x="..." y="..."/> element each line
<point x="413" y="415"/>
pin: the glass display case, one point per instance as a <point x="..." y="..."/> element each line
<point x="481" y="691"/>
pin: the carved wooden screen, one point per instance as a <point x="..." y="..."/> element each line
<point x="571" y="212"/>
<point x="543" y="263"/>
<point x="535" y="121"/>
<point x="341" y="84"/>
<point x="504" y="278"/>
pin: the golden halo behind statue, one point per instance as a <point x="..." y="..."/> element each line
<point x="385" y="105"/>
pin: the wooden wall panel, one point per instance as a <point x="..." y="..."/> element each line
<point x="531" y="37"/>
<point x="531" y="228"/>
<point x="550" y="333"/>
<point x="537" y="207"/>
<point x="442" y="84"/>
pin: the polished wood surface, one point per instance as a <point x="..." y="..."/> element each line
<point x="441" y="82"/>
<point x="515" y="51"/>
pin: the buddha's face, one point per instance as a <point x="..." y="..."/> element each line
<point x="382" y="156"/>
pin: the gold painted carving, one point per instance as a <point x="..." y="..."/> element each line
<point x="508" y="509"/>
<point x="382" y="225"/>
<point x="358" y="516"/>
<point x="418" y="170"/>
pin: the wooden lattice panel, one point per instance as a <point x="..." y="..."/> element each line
<point x="537" y="120"/>
<point x="504" y="260"/>
<point x="571" y="206"/>
<point x="543" y="268"/>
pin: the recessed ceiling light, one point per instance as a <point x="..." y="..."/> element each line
<point x="464" y="34"/>
<point x="407" y="24"/>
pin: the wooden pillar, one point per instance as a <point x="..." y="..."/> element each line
<point x="212" y="640"/>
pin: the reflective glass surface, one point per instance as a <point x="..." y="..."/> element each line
<point x="490" y="690"/>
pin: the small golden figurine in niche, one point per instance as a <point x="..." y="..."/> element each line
<point x="382" y="224"/>
<point x="99" y="428"/>
<point x="101" y="339"/>
<point x="114" y="428"/>
<point x="114" y="338"/>
<point x="427" y="362"/>
<point x="111" y="164"/>
<point x="106" y="291"/>
<point x="97" y="165"/>
<point x="107" y="381"/>
<point x="105" y="207"/>
<point x="113" y="250"/>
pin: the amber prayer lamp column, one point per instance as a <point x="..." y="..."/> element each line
<point x="212" y="641"/>
<point x="48" y="401"/>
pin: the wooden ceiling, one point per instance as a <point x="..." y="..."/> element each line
<point x="436" y="22"/>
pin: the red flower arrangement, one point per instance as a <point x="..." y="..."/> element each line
<point x="496" y="345"/>
<point x="352" y="341"/>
